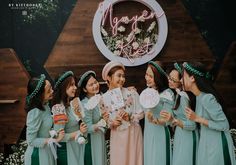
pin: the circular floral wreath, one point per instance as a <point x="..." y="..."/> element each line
<point x="137" y="46"/>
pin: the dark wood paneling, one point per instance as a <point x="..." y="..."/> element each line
<point x="13" y="82"/>
<point x="75" y="49"/>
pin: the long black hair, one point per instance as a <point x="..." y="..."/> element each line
<point x="160" y="80"/>
<point x="205" y="84"/>
<point x="37" y="100"/>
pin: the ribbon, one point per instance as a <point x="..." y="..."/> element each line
<point x="53" y="147"/>
<point x="167" y="135"/>
<point x="227" y="160"/>
<point x="194" y="146"/>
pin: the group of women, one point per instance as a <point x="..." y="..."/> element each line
<point x="188" y="102"/>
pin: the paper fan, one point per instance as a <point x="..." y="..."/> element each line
<point x="149" y="98"/>
<point x="93" y="102"/>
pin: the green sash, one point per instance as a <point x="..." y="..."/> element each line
<point x="227" y="160"/>
<point x="88" y="152"/>
<point x="62" y="154"/>
<point x="35" y="156"/>
<point x="194" y="147"/>
<point x="167" y="133"/>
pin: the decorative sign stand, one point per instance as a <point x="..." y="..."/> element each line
<point x="139" y="45"/>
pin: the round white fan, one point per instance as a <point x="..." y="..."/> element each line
<point x="149" y="98"/>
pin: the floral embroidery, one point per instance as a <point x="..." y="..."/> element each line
<point x="128" y="101"/>
<point x="103" y="107"/>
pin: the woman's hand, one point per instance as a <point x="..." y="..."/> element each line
<point x="95" y="127"/>
<point x="149" y="116"/>
<point x="166" y="116"/>
<point x="124" y="115"/>
<point x="105" y="116"/>
<point x="190" y="114"/>
<point x="117" y="122"/>
<point x="177" y="122"/>
<point x="83" y="128"/>
<point x="61" y="135"/>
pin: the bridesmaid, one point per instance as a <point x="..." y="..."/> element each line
<point x="215" y="144"/>
<point x="95" y="149"/>
<point x="126" y="143"/>
<point x="70" y="152"/>
<point x="39" y="122"/>
<point x="157" y="147"/>
<point x="185" y="136"/>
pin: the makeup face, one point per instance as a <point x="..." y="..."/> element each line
<point x="173" y="79"/>
<point x="48" y="92"/>
<point x="149" y="77"/>
<point x="92" y="86"/>
<point x="187" y="81"/>
<point x="117" y="79"/>
<point x="71" y="89"/>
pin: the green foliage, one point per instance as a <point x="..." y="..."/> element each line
<point x="43" y="10"/>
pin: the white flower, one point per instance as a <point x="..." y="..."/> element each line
<point x="151" y="27"/>
<point x="117" y="52"/>
<point x="125" y="20"/>
<point x="135" y="45"/>
<point x="130" y="36"/>
<point x="137" y="30"/>
<point x="121" y="29"/>
<point x="53" y="133"/>
<point x="104" y="33"/>
<point x="147" y="40"/>
<point x="119" y="43"/>
<point x="81" y="140"/>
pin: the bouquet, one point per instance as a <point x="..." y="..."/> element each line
<point x="59" y="114"/>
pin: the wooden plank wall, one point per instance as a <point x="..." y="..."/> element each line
<point x="13" y="83"/>
<point x="226" y="82"/>
<point x="75" y="48"/>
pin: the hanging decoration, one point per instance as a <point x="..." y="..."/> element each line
<point x="132" y="39"/>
